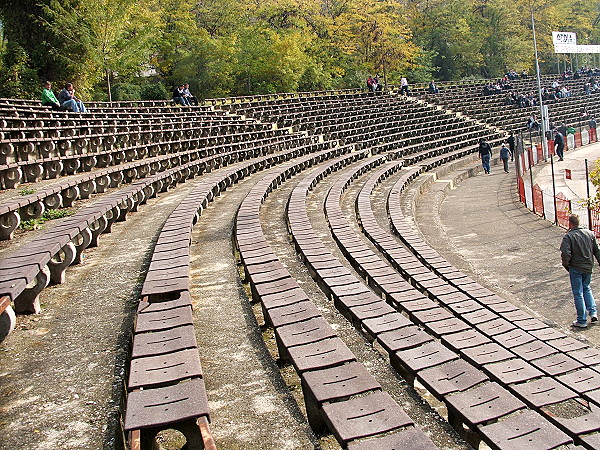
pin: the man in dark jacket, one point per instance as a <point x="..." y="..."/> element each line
<point x="578" y="250"/>
<point x="485" y="152"/>
<point x="559" y="144"/>
<point x="512" y="142"/>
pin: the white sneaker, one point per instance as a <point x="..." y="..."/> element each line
<point x="579" y="325"/>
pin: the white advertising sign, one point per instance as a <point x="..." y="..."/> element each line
<point x="565" y="42"/>
<point x="560" y="37"/>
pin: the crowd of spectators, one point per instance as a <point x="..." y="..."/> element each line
<point x="497" y="87"/>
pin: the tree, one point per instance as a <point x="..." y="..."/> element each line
<point x="102" y="37"/>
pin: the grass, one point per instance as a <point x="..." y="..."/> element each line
<point x="50" y="214"/>
<point x="26" y="191"/>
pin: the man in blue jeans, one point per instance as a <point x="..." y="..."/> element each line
<point x="578" y="250"/>
<point x="485" y="152"/>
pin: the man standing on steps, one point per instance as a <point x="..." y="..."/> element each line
<point x="578" y="250"/>
<point x="485" y="152"/>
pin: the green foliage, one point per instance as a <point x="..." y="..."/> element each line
<point x="17" y="77"/>
<point x="125" y="91"/>
<point x="238" y="47"/>
<point x="153" y="91"/>
<point x="49" y="214"/>
<point x="26" y="191"/>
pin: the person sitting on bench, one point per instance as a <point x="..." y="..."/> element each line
<point x="178" y="96"/>
<point x="48" y="98"/>
<point x="68" y="101"/>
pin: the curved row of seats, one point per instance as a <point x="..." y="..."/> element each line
<point x="339" y="393"/>
<point x="488" y="331"/>
<point x="65" y="192"/>
<point x="410" y="350"/>
<point x="57" y="159"/>
<point x="446" y="359"/>
<point x="165" y="386"/>
<point x="28" y="270"/>
<point x="467" y="99"/>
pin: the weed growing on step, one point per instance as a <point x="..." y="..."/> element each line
<point x="50" y="214"/>
<point x="26" y="191"/>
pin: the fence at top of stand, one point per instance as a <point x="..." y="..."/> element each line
<point x="549" y="202"/>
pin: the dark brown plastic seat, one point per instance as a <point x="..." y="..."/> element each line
<point x="388" y="322"/>
<point x="301" y="333"/>
<point x="465" y="339"/>
<point x="409" y="439"/>
<point x="294" y="295"/>
<point x="527" y="430"/>
<point x="165" y="341"/>
<point x="403" y="338"/>
<point x="320" y="355"/>
<point x="533" y="350"/>
<point x="513" y="338"/>
<point x="482" y="404"/>
<point x="296" y="312"/>
<point x="543" y="391"/>
<point x="512" y="371"/>
<point x="166" y="368"/>
<point x="165" y="405"/>
<point x="454" y="376"/>
<point x="567" y="344"/>
<point x="557" y="364"/>
<point x="495" y="327"/>
<point x="339" y="382"/>
<point x="412" y="360"/>
<point x="371" y="310"/>
<point x="163" y="320"/>
<point x="334" y="384"/>
<point x="588" y="356"/>
<point x="450" y="326"/>
<point x="582" y="380"/>
<point x="365" y="416"/>
<point x="485" y="354"/>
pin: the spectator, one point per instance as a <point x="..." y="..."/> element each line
<point x="559" y="144"/>
<point x="578" y="250"/>
<point x="67" y="99"/>
<point x="505" y="154"/>
<point x="178" y="96"/>
<point x="592" y="123"/>
<point x="370" y="83"/>
<point x="562" y="129"/>
<point x="433" y="88"/>
<point x="532" y="123"/>
<point x="377" y="86"/>
<point x="404" y="86"/>
<point x="512" y="145"/>
<point x="485" y="152"/>
<point x="48" y="98"/>
<point x="188" y="95"/>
